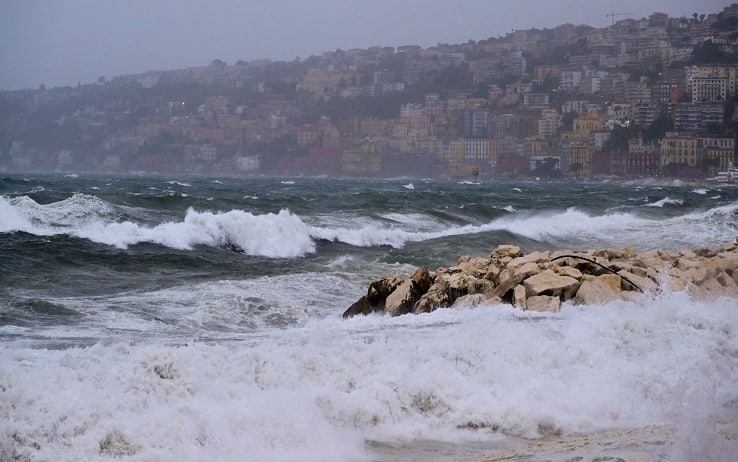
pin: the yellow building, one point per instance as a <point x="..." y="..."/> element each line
<point x="716" y="153"/>
<point x="588" y="123"/>
<point x="728" y="72"/>
<point x="679" y="148"/>
<point x="536" y="146"/>
<point x="358" y="162"/>
<point x="499" y="146"/>
<point x="456" y="150"/>
<point x="717" y="159"/>
<point x="580" y="158"/>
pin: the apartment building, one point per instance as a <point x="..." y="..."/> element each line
<point x="700" y="74"/>
<point x="679" y="148"/>
<point x="577" y="155"/>
<point x="709" y="89"/>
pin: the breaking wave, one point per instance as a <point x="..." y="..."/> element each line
<point x="665" y="201"/>
<point x="568" y="227"/>
<point x="280" y="235"/>
<point x="287" y="235"/>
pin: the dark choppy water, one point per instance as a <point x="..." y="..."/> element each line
<point x="219" y="299"/>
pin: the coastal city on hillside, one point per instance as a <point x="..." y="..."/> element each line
<point x="640" y="98"/>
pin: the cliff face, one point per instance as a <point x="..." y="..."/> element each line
<point x="541" y="281"/>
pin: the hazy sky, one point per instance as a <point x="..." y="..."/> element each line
<point x="61" y="42"/>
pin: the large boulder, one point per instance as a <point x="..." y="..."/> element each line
<point x="726" y="281"/>
<point x="506" y="252"/>
<point x="402" y="299"/>
<point x="543" y="303"/>
<point x="644" y="284"/>
<point x="541" y="281"/>
<point x="527" y="269"/>
<point x="470" y="300"/>
<point x="625" y="253"/>
<point x="381" y="289"/>
<point x="505" y="287"/>
<point x="550" y="283"/>
<point x="422" y="278"/>
<point x="599" y="289"/>
<point x="534" y="257"/>
<point x="461" y="284"/>
<point x="361" y="306"/>
<point x="435" y="297"/>
<point x="568" y="271"/>
<point x="432" y="300"/>
<point x="375" y="298"/>
<point x="519" y="297"/>
<point x="476" y="267"/>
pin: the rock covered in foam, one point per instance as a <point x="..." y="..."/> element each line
<point x="542" y="281"/>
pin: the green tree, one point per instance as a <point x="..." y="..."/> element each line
<point x="619" y="137"/>
<point x="658" y="128"/>
<point x="567" y="120"/>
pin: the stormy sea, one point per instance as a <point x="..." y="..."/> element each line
<point x="163" y="318"/>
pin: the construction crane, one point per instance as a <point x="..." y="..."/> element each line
<point x="613" y="15"/>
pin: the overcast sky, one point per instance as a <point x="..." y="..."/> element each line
<point x="62" y="42"/>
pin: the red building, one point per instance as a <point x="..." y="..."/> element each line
<point x="625" y="163"/>
<point x="509" y="163"/>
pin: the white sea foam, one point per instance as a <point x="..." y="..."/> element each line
<point x="24" y="214"/>
<point x="700" y="191"/>
<point x="280" y="235"/>
<point x="665" y="201"/>
<point x="574" y="227"/>
<point x="318" y="391"/>
<point x="12" y="219"/>
<point x="286" y="235"/>
<point x="571" y="227"/>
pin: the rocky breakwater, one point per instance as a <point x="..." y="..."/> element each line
<point x="542" y="281"/>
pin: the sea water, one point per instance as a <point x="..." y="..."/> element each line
<point x="189" y="318"/>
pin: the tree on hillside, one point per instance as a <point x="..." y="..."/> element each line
<point x="707" y="52"/>
<point x="619" y="137"/>
<point x="658" y="128"/>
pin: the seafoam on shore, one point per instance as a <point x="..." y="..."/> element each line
<point x="488" y="375"/>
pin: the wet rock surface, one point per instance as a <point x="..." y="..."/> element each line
<point x="542" y="281"/>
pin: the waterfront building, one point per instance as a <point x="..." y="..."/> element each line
<point x="679" y="148"/>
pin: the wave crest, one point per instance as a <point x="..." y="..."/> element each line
<point x="665" y="201"/>
<point x="281" y="235"/>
